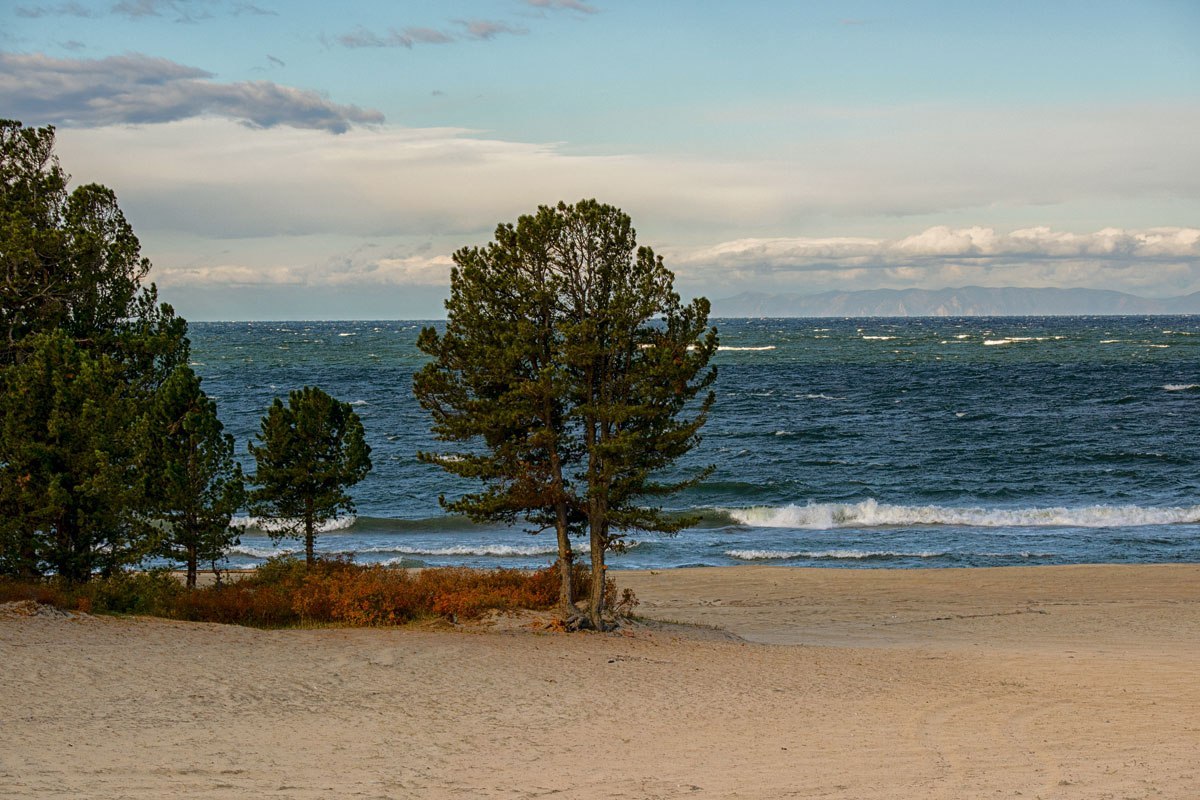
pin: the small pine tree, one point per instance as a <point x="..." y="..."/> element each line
<point x="193" y="482"/>
<point x="309" y="451"/>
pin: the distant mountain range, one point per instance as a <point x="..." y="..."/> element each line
<point x="968" y="301"/>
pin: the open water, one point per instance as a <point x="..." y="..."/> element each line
<point x="837" y="442"/>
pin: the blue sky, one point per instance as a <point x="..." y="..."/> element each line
<point x="311" y="159"/>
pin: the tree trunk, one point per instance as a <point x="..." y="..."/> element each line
<point x="191" y="567"/>
<point x="596" y="606"/>
<point x="309" y="532"/>
<point x="566" y="595"/>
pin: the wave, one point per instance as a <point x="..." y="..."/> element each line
<point x="879" y="338"/>
<point x="871" y="514"/>
<point x="266" y="525"/>
<point x="1014" y="339"/>
<point x="360" y="524"/>
<point x="467" y="550"/>
<point x="822" y="555"/>
<point x="724" y="348"/>
<point x="497" y="550"/>
<point x="263" y="552"/>
<point x="1180" y="387"/>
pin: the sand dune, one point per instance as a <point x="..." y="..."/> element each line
<point x="1053" y="682"/>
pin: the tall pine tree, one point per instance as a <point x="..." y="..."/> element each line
<point x="194" y="483"/>
<point x="574" y="367"/>
<point x="80" y="333"/>
<point x="497" y="379"/>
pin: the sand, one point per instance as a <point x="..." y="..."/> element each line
<point x="1051" y="682"/>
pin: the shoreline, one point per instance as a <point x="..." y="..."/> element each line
<point x="1067" y="682"/>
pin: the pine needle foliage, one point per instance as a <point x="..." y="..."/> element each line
<point x="194" y="483"/>
<point x="575" y="370"/>
<point x="68" y="460"/>
<point x="309" y="452"/>
<point x="84" y="347"/>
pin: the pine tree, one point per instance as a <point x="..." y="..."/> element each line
<point x="70" y="262"/>
<point x="80" y="335"/>
<point x="194" y="483"/>
<point x="496" y="377"/>
<point x="308" y="453"/>
<point x="570" y="361"/>
<point x="69" y="490"/>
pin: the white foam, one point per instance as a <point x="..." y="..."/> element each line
<point x="880" y="338"/>
<point x="767" y="555"/>
<point x="262" y="552"/>
<point x="275" y="526"/>
<point x="1014" y="339"/>
<point x="1180" y="387"/>
<point x="359" y="403"/>
<point x="746" y="349"/>
<point x="870" y="513"/>
<point x="469" y="550"/>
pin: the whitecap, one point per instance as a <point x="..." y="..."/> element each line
<point x="871" y="513"/>
<point x="746" y="349"/>
<point x="773" y="555"/>
<point x="267" y="525"/>
<point x="1180" y="387"/>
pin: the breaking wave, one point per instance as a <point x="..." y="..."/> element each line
<point x="264" y="525"/>
<point x="870" y="514"/>
<point x="831" y="555"/>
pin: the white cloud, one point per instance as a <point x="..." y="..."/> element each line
<point x="1158" y="260"/>
<point x="974" y="243"/>
<point x="303" y="199"/>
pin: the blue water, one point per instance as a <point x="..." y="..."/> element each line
<point x="837" y="442"/>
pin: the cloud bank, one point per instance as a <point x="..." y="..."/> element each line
<point x="216" y="203"/>
<point x="138" y="89"/>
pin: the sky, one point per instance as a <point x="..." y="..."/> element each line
<point x="297" y="159"/>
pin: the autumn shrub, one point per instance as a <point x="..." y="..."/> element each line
<point x="238" y="604"/>
<point x="40" y="591"/>
<point x="366" y="595"/>
<point x="286" y="591"/>
<point x="154" y="592"/>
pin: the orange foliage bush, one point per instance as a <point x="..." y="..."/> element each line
<point x="285" y="591"/>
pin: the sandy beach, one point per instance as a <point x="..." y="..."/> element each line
<point x="1051" y="682"/>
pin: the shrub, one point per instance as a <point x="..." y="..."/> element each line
<point x="285" y="591"/>
<point x="155" y="592"/>
<point x="238" y="604"/>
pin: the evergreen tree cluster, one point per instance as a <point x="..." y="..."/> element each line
<point x="110" y="451"/>
<point x="570" y="373"/>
